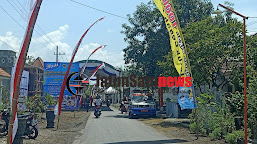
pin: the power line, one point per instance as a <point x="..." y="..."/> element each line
<point x="252" y="29"/>
<point x="35" y="29"/>
<point x="98" y="9"/>
<point x="52" y="43"/>
<point x="11" y="17"/>
<point x="8" y="45"/>
<point x="24" y="18"/>
<point x="18" y="23"/>
<point x="251" y="23"/>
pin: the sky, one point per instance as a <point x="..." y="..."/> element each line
<point x="62" y="22"/>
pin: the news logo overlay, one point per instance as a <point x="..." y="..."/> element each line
<point x="186" y="96"/>
<point x="134" y="81"/>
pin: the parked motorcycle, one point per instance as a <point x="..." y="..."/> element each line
<point x="31" y="130"/>
<point x="4" y="122"/>
<point x="97" y="112"/>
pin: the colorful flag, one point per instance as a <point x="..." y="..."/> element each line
<point x="80" y="101"/>
<point x="186" y="98"/>
<point x="68" y="70"/>
<point x="93" y="74"/>
<point x="84" y="67"/>
<point x="177" y="42"/>
<point x="178" y="47"/>
<point x="17" y="72"/>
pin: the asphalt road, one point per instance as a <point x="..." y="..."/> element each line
<point x="115" y="128"/>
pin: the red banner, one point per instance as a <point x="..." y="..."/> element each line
<point x="68" y="70"/>
<point x="17" y="72"/>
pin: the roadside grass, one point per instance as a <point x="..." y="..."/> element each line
<point x="177" y="129"/>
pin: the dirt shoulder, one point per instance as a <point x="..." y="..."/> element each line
<point x="69" y="128"/>
<point x="177" y="129"/>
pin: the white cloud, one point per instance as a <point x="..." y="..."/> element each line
<point x="113" y="58"/>
<point x="45" y="48"/>
<point x="10" y="42"/>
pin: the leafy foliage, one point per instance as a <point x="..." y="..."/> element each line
<point x="213" y="119"/>
<point x="35" y="103"/>
<point x="232" y="137"/>
<point x="49" y="101"/>
<point x="216" y="134"/>
<point x="148" y="38"/>
<point x="5" y="99"/>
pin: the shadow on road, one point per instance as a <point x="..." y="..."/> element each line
<point x="152" y="142"/>
<point x="126" y="116"/>
<point x="118" y="116"/>
<point x="103" y="108"/>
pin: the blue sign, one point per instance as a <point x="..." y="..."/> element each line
<point x="53" y="78"/>
<point x="186" y="97"/>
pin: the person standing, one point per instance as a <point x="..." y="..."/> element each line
<point x="87" y="101"/>
<point x="91" y="100"/>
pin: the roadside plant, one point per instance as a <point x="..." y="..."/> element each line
<point x="252" y="101"/>
<point x="5" y="99"/>
<point x="35" y="104"/>
<point x="49" y="101"/>
<point x="205" y="103"/>
<point x="214" y="119"/>
<point x="216" y="134"/>
<point x="232" y="138"/>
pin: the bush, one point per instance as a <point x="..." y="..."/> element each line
<point x="203" y="131"/>
<point x="231" y="138"/>
<point x="49" y="101"/>
<point x="216" y="134"/>
<point x="193" y="127"/>
<point x="35" y="103"/>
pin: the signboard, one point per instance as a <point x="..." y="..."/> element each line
<point x="186" y="98"/>
<point x="24" y="84"/>
<point x="53" y="78"/>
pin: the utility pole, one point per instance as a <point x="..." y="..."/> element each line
<point x="57" y="54"/>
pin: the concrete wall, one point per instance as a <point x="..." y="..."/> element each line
<point x="172" y="110"/>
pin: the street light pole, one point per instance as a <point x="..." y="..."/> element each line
<point x="245" y="81"/>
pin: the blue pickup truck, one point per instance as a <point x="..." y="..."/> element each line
<point x="142" y="105"/>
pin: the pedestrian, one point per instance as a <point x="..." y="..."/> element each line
<point x="87" y="102"/>
<point x="91" y="101"/>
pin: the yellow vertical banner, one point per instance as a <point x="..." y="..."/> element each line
<point x="177" y="42"/>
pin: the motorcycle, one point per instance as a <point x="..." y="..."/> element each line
<point x="31" y="130"/>
<point x="4" y="122"/>
<point x="108" y="103"/>
<point x="97" y="112"/>
<point x="124" y="107"/>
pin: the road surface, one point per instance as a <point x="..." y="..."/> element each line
<point x="115" y="128"/>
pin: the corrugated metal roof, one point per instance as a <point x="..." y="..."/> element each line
<point x="4" y="73"/>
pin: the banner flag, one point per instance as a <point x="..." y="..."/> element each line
<point x="80" y="101"/>
<point x="178" y="47"/>
<point x="17" y="72"/>
<point x="84" y="67"/>
<point x="93" y="74"/>
<point x="186" y="97"/>
<point x="68" y="70"/>
<point x="177" y="43"/>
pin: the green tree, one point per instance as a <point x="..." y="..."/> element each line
<point x="147" y="35"/>
<point x="30" y="60"/>
<point x="192" y="10"/>
<point x="215" y="49"/>
<point x="211" y="47"/>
